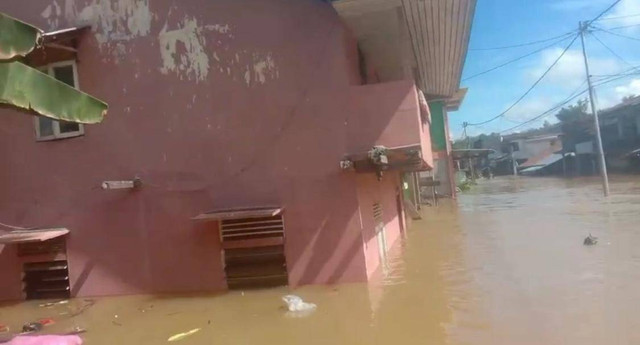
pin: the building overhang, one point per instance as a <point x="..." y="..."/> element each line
<point x="32" y="235"/>
<point x="56" y="46"/>
<point x="380" y="159"/>
<point x="471" y="153"/>
<point x="423" y="40"/>
<point x="238" y="213"/>
<point x="453" y="103"/>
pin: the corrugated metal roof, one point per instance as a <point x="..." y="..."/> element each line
<point x="440" y="31"/>
<point x="427" y="37"/>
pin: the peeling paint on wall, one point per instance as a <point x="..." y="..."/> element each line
<point x="261" y="69"/>
<point x="51" y="13"/>
<point x="192" y="62"/>
<point x="190" y="50"/>
<point x="110" y="20"/>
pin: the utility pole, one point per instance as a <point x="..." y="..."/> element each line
<point x="602" y="163"/>
<point x="513" y="161"/>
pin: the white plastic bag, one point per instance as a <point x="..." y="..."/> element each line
<point x="296" y="304"/>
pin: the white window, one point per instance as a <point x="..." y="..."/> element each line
<point x="49" y="129"/>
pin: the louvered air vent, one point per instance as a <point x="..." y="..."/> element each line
<point x="48" y="279"/>
<point x="377" y="213"/>
<point x="254" y="252"/>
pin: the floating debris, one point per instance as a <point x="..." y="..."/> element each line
<point x="32" y="327"/>
<point x="590" y="240"/>
<point x="88" y="304"/>
<point x="296" y="304"/>
<point x="51" y="304"/>
<point x="181" y="336"/>
<point x="46" y="322"/>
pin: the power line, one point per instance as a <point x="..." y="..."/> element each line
<point x="614" y="78"/>
<point x="558" y="106"/>
<point x="565" y="35"/>
<point x="514" y="60"/>
<point x="611" y="50"/>
<point x="625" y="72"/>
<point x="620" y="17"/>
<point x="617" y="34"/>
<point x="604" y="12"/>
<point x="623" y="27"/>
<point x="571" y="97"/>
<point x="532" y="86"/>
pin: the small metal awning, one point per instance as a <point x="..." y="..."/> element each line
<point x="63" y="35"/>
<point x="471" y="153"/>
<point x="633" y="154"/>
<point x="57" y="46"/>
<point x="252" y="212"/>
<point x="541" y="164"/>
<point x="407" y="158"/>
<point x="35" y="235"/>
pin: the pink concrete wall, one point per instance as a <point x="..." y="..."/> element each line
<point x="265" y="125"/>
<point x="385" y="192"/>
<point x="425" y="133"/>
<point x="385" y="114"/>
<point x="10" y="287"/>
<point x="449" y="159"/>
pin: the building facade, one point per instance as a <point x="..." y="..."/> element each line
<point x="254" y="143"/>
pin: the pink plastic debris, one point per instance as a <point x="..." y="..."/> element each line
<point x="46" y="340"/>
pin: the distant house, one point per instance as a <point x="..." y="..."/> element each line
<point x="526" y="146"/>
<point x="620" y="131"/>
<point x="533" y="151"/>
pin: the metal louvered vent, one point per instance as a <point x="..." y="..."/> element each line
<point x="254" y="252"/>
<point x="252" y="228"/>
<point x="49" y="279"/>
<point x="377" y="213"/>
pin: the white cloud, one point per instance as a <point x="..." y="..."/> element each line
<point x="624" y="9"/>
<point x="575" y="5"/>
<point x="592" y="7"/>
<point x="567" y="77"/>
<point x="569" y="72"/>
<point x="632" y="88"/>
<point x="527" y="109"/>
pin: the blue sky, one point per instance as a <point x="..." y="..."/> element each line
<point x="507" y="22"/>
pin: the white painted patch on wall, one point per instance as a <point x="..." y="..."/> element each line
<point x="183" y="45"/>
<point x="51" y="13"/>
<point x="192" y="62"/>
<point x="263" y="68"/>
<point x="219" y="28"/>
<point x="112" y="21"/>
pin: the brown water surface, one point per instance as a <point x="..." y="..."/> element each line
<point x="505" y="265"/>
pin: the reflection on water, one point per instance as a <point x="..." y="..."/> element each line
<point x="506" y="265"/>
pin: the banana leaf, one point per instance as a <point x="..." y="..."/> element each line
<point x="16" y="38"/>
<point x="29" y="89"/>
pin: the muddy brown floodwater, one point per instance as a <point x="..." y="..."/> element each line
<point x="505" y="265"/>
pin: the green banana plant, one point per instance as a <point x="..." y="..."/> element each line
<point x="32" y="91"/>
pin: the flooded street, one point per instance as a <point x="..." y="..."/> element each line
<point x="506" y="265"/>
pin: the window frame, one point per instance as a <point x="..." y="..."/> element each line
<point x="49" y="70"/>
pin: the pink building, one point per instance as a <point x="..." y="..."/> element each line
<point x="260" y="142"/>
